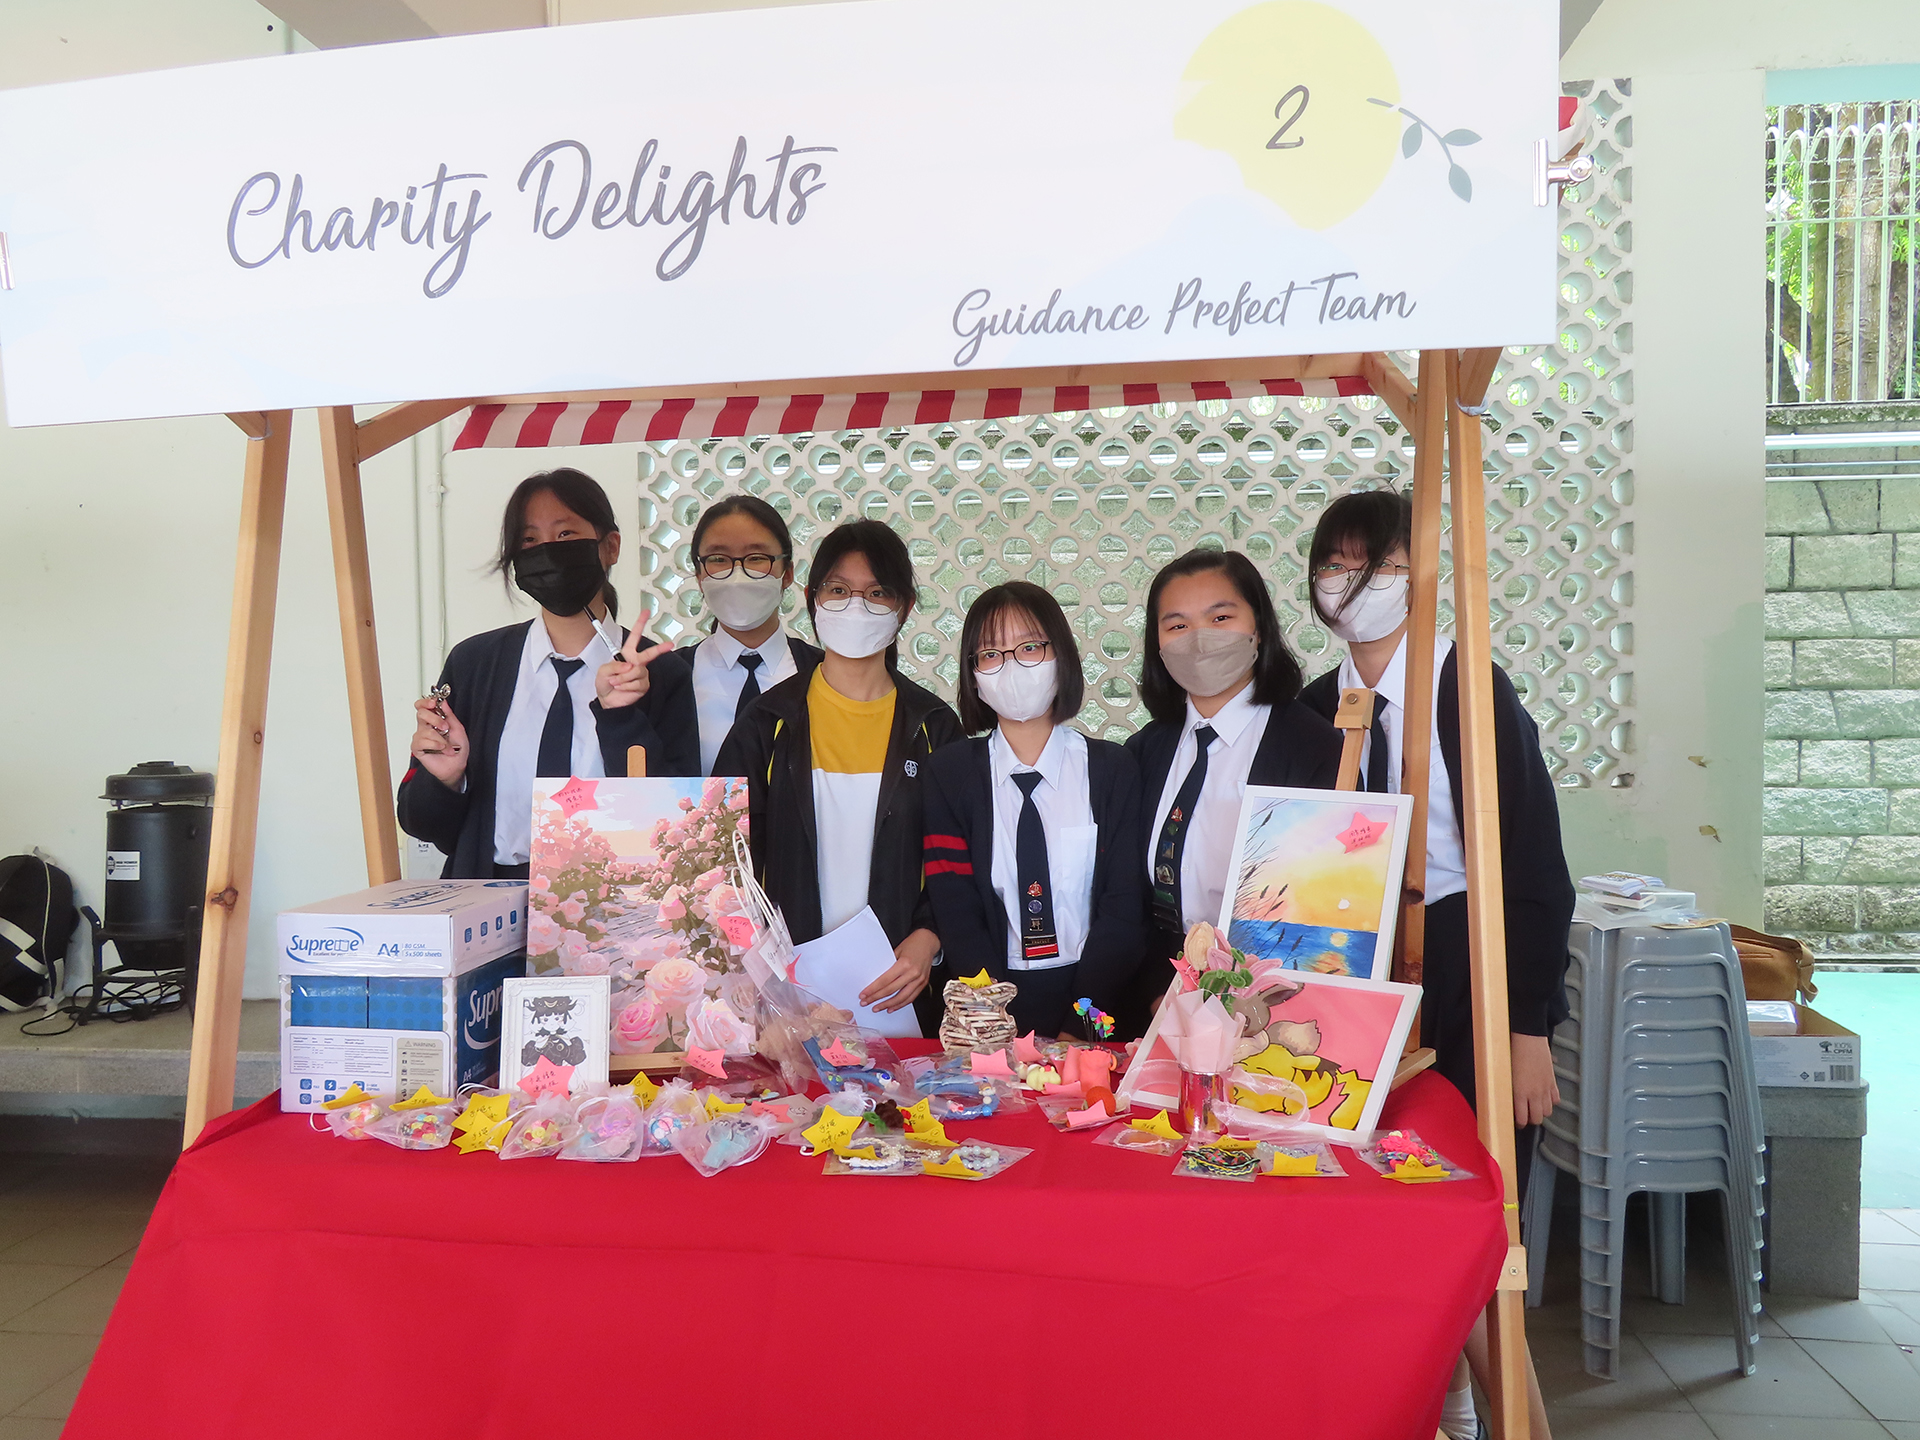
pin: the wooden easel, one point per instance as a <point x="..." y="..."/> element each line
<point x="1423" y="407"/>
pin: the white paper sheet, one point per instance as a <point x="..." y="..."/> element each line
<point x="843" y="962"/>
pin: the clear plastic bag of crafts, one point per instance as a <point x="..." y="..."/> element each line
<point x="355" y="1119"/>
<point x="674" y="1108"/>
<point x="610" y="1127"/>
<point x="724" y="1141"/>
<point x="427" y="1127"/>
<point x="956" y="1091"/>
<point x="852" y="1101"/>
<point x="1075" y="1117"/>
<point x="1218" y="1162"/>
<point x="1130" y="1135"/>
<point x="1402" y="1155"/>
<point x="541" y="1129"/>
<point x="1302" y="1158"/>
<point x="970" y="1160"/>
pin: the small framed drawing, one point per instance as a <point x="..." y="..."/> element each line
<point x="561" y="1019"/>
<point x="1316" y="880"/>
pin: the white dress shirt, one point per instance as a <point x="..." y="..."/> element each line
<point x="719" y="677"/>
<point x="1239" y="726"/>
<point x="1446" y="852"/>
<point x="1066" y="815"/>
<point x="520" y="737"/>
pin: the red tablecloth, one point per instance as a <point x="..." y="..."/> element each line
<point x="294" y="1285"/>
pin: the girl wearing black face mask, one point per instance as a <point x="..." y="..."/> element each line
<point x="557" y="695"/>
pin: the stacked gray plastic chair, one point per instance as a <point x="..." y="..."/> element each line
<point x="1655" y="1066"/>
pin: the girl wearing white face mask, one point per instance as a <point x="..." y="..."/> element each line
<point x="1221" y="685"/>
<point x="1359" y="569"/>
<point x="1033" y="833"/>
<point x="742" y="556"/>
<point x="835" y="757"/>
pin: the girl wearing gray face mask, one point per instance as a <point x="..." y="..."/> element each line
<point x="1221" y="685"/>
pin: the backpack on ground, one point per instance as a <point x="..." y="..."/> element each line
<point x="37" y="921"/>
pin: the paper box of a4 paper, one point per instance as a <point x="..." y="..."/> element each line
<point x="1820" y="1052"/>
<point x="406" y="928"/>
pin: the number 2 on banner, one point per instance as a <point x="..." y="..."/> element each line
<point x="1278" y="142"/>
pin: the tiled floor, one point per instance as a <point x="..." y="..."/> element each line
<point x="1828" y="1369"/>
<point x="68" y="1229"/>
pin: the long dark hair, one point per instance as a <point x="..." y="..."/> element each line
<point x="576" y="490"/>
<point x="1276" y="674"/>
<point x="1375" y="521"/>
<point x="886" y="555"/>
<point x="1020" y="597"/>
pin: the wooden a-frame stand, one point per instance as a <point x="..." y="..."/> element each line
<point x="1440" y="414"/>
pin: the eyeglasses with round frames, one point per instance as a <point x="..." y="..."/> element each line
<point x="880" y="600"/>
<point x="719" y="567"/>
<point x="1028" y="653"/>
<point x="1334" y="573"/>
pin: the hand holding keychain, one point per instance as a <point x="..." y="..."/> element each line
<point x="439" y="739"/>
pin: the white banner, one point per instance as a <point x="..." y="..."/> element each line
<point x="894" y="187"/>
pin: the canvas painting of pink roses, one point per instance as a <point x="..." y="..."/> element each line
<point x="630" y="879"/>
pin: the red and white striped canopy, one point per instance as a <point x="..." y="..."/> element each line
<point x="608" y="422"/>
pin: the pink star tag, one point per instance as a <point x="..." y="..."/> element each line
<point x="714" y="1062"/>
<point x="576" y="795"/>
<point x="1362" y="833"/>
<point x="838" y="1054"/>
<point x="546" y="1078"/>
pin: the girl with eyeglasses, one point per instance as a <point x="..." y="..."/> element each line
<point x="1221" y="685"/>
<point x="1033" y="831"/>
<point x="1359" y="569"/>
<point x="552" y="696"/>
<point x="835" y="757"/>
<point x="742" y="558"/>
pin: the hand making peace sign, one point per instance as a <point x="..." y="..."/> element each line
<point x="622" y="681"/>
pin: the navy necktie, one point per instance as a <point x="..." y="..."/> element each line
<point x="1038" y="940"/>
<point x="750" y="662"/>
<point x="1377" y="751"/>
<point x="1173" y="838"/>
<point x="556" y="736"/>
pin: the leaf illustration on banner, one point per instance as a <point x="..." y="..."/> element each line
<point x="1282" y="90"/>
<point x="1458" y="180"/>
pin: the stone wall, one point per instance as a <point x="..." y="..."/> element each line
<point x="1842" y="800"/>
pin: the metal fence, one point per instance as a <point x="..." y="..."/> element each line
<point x="1843" y="200"/>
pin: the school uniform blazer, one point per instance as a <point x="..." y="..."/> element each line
<point x="481" y="672"/>
<point x="675" y="714"/>
<point x="1538" y="891"/>
<point x="772" y="745"/>
<point x="972" y="918"/>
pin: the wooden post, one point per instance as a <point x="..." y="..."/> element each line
<point x="236" y="795"/>
<point x="1423" y="609"/>
<point x="346" y="517"/>
<point x="1354" y="719"/>
<point x="1486" y="917"/>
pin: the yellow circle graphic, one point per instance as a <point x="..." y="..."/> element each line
<point x="1286" y="90"/>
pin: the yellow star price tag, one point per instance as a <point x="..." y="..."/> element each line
<point x="478" y="1138"/>
<point x="950" y="1168"/>
<point x="352" y="1095"/>
<point x="1229" y="1142"/>
<point x="717" y="1106"/>
<point x="644" y="1090"/>
<point x="1293" y="1165"/>
<point x="920" y="1115"/>
<point x="483" y="1112"/>
<point x="933" y="1133"/>
<point x="1158" y="1125"/>
<point x="422" y="1098"/>
<point x="831" y="1131"/>
<point x="1413" y="1170"/>
<point x="977" y="982"/>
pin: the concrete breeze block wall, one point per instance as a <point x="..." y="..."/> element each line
<point x="1842" y="758"/>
